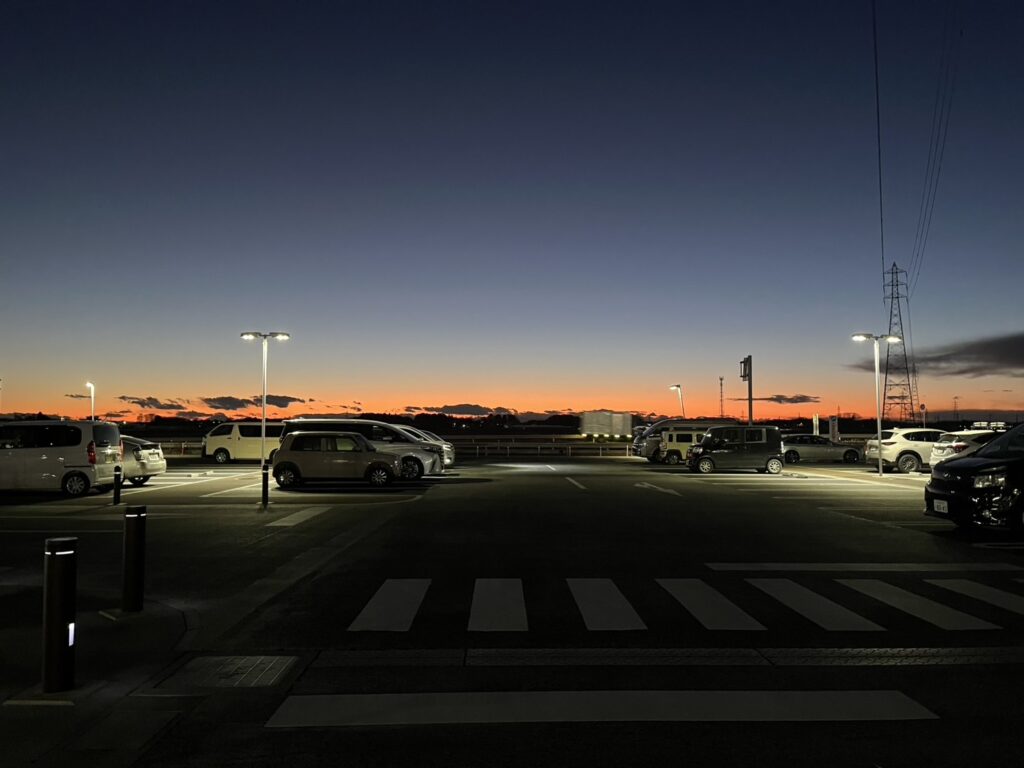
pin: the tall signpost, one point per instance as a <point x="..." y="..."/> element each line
<point x="747" y="374"/>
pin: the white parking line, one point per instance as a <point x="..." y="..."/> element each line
<point x="577" y="484"/>
<point x="298" y="517"/>
<point x="232" y="490"/>
<point x="657" y="488"/>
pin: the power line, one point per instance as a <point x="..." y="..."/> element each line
<point x="878" y="140"/>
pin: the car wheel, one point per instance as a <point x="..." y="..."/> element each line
<point x="908" y="462"/>
<point x="378" y="476"/>
<point x="774" y="466"/>
<point x="75" y="484"/>
<point x="287" y="476"/>
<point x="411" y="468"/>
<point x="851" y="457"/>
<point x="221" y="456"/>
<point x="672" y="458"/>
<point x="792" y="457"/>
<point x="705" y="466"/>
<point x="137" y="481"/>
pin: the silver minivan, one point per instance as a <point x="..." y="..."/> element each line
<point x="59" y="455"/>
<point x="418" y="457"/>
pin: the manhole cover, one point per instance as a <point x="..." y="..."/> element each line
<point x="230" y="672"/>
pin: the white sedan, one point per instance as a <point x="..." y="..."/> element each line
<point x="141" y="460"/>
<point x="962" y="443"/>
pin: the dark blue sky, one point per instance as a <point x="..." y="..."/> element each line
<point x="531" y="205"/>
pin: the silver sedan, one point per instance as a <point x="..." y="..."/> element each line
<point x="817" y="448"/>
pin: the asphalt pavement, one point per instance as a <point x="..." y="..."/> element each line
<point x="521" y="613"/>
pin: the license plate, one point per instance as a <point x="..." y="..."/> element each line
<point x="941" y="506"/>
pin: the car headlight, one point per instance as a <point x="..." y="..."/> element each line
<point x="990" y="480"/>
<point x="696" y="450"/>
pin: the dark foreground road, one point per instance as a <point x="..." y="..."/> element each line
<point x="588" y="613"/>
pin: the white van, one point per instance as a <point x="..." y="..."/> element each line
<point x="677" y="441"/>
<point x="59" y="455"/>
<point x="240" y="440"/>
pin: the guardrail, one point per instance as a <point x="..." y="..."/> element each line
<point x="549" y="445"/>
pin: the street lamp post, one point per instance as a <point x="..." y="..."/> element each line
<point x="679" y="391"/>
<point x="889" y="339"/>
<point x="92" y="400"/>
<point x="264" y="469"/>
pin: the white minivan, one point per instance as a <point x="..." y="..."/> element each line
<point x="59" y="455"/>
<point x="240" y="440"/>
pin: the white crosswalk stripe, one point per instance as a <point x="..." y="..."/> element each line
<point x="822" y="611"/>
<point x="709" y="606"/>
<point x="935" y="613"/>
<point x="499" y="605"/>
<point x="393" y="607"/>
<point x="603" y="606"/>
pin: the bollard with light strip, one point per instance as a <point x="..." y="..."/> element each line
<point x="117" y="484"/>
<point x="133" y="573"/>
<point x="60" y="566"/>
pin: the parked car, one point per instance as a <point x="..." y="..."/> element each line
<point x="677" y="442"/>
<point x="430" y="437"/>
<point x="907" y="449"/>
<point x="141" y="460"/>
<point x="59" y="455"/>
<point x="418" y="457"/>
<point x="962" y="443"/>
<point x="333" y="456"/>
<point x="647" y="441"/>
<point x="748" y="447"/>
<point x="817" y="448"/>
<point x="985" y="488"/>
<point x="232" y="441"/>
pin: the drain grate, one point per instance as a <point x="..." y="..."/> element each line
<point x="230" y="672"/>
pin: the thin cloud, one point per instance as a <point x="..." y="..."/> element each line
<point x="151" y="403"/>
<point x="992" y="356"/>
<point x="278" y="401"/>
<point x="462" y="409"/>
<point x="227" y="402"/>
<point x="788" y="399"/>
<point x="78" y="397"/>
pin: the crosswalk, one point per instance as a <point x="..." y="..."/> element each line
<point x="751" y="604"/>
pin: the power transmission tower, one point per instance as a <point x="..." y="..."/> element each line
<point x="721" y="397"/>
<point x="900" y="372"/>
<point x="956" y="408"/>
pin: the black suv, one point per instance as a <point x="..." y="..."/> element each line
<point x="984" y="488"/>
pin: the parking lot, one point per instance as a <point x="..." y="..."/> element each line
<point x="561" y="577"/>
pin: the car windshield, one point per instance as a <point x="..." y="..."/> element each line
<point x="1007" y="446"/>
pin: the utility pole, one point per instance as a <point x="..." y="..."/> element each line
<point x="747" y="374"/>
<point x="721" y="397"/>
<point x="956" y="408"/>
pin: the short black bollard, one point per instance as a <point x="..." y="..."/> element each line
<point x="117" y="484"/>
<point x="266" y="485"/>
<point x="133" y="574"/>
<point x="60" y="568"/>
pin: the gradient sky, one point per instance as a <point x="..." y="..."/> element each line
<point x="529" y="205"/>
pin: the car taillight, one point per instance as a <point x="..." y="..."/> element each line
<point x="957" y="447"/>
<point x="91" y="451"/>
<point x="120" y="451"/>
<point x="138" y="454"/>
